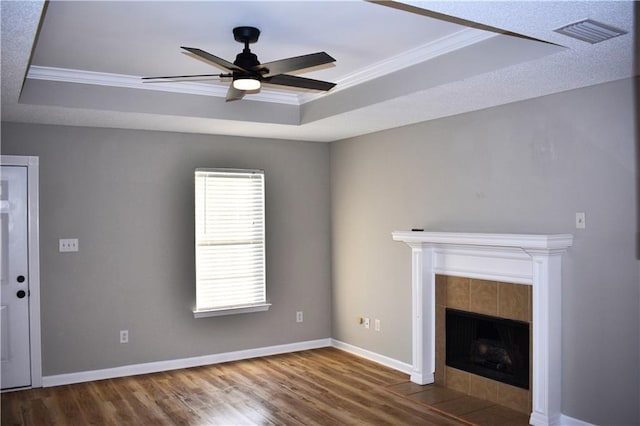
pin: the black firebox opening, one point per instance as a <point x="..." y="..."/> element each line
<point x="491" y="347"/>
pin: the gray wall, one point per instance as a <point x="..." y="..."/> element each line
<point x="526" y="167"/>
<point x="128" y="197"/>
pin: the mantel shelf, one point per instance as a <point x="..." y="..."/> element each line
<point x="523" y="241"/>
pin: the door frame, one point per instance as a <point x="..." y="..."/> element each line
<point x="32" y="165"/>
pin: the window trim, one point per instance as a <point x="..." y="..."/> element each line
<point x="259" y="305"/>
<point x="231" y="311"/>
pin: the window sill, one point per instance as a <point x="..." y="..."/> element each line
<point x="231" y="311"/>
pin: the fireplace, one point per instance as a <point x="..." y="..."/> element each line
<point x="532" y="260"/>
<point x="492" y="347"/>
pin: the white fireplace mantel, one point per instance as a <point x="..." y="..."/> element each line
<point x="532" y="259"/>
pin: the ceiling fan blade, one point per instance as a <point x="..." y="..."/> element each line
<point x="213" y="59"/>
<point x="295" y="81"/>
<point x="234" y="94"/>
<point x="283" y="66"/>
<point x="184" y="77"/>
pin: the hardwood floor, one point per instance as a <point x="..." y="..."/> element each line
<point x="318" y="387"/>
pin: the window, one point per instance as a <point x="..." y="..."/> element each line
<point x="230" y="242"/>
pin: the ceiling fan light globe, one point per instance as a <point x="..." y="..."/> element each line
<point x="246" y="84"/>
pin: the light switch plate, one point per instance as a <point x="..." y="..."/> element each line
<point x="67" y="245"/>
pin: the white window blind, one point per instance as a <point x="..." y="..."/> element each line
<point x="230" y="240"/>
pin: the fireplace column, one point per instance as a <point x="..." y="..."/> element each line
<point x="423" y="310"/>
<point x="547" y="336"/>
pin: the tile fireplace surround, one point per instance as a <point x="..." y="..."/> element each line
<point x="531" y="259"/>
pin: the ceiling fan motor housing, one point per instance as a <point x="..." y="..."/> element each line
<point x="246" y="60"/>
<point x="246" y="35"/>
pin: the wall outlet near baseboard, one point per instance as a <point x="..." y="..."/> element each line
<point x="299" y="316"/>
<point x="124" y="336"/>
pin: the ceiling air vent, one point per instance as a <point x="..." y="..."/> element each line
<point x="590" y="31"/>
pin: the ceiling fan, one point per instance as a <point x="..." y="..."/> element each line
<point x="248" y="73"/>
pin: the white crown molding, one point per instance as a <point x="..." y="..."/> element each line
<point x="67" y="75"/>
<point x="450" y="43"/>
<point x="441" y="46"/>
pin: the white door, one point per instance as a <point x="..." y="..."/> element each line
<point x="14" y="300"/>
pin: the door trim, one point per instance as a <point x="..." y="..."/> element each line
<point x="33" y="225"/>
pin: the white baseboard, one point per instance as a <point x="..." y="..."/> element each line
<point x="570" y="421"/>
<point x="159" y="366"/>
<point x="407" y="368"/>
<point x="372" y="356"/>
<point x="155" y="367"/>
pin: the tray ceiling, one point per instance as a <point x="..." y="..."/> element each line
<point x="397" y="63"/>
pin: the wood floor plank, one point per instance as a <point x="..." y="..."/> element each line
<point x="356" y="394"/>
<point x="317" y="387"/>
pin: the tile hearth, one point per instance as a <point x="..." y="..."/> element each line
<point x="459" y="406"/>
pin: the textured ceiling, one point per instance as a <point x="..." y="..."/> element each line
<point x="397" y="63"/>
